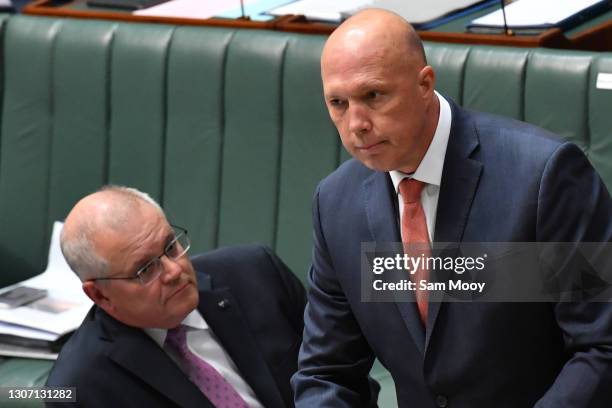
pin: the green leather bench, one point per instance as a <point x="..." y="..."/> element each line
<point x="226" y="128"/>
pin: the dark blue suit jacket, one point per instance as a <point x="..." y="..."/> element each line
<point x="252" y="302"/>
<point x="503" y="181"/>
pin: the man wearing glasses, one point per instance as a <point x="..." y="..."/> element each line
<point x="162" y="334"/>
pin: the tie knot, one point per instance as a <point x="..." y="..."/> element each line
<point x="177" y="336"/>
<point x="410" y="189"/>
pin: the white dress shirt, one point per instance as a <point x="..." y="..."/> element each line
<point x="204" y="344"/>
<point x="429" y="170"/>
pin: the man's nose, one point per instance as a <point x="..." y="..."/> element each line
<point x="171" y="269"/>
<point x="359" y="119"/>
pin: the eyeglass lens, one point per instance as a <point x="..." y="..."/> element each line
<point x="175" y="249"/>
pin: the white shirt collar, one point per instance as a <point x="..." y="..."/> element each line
<point x="430" y="168"/>
<point x="193" y="320"/>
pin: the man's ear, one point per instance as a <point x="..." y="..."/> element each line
<point x="97" y="294"/>
<point x="427" y="81"/>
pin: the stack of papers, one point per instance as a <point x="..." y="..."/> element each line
<point x="539" y="15"/>
<point x="40" y="325"/>
<point x="203" y="9"/>
<point x="189" y="8"/>
<point x="320" y="10"/>
<point x="415" y="12"/>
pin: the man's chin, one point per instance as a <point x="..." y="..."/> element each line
<point x="182" y="314"/>
<point x="376" y="165"/>
<point x="385" y="165"/>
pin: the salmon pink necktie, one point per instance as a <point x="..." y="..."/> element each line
<point x="415" y="236"/>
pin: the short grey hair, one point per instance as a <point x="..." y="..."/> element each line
<point x="79" y="249"/>
<point x="82" y="256"/>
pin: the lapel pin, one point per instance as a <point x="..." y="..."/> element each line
<point x="224" y="303"/>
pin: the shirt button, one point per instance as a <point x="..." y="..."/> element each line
<point x="441" y="401"/>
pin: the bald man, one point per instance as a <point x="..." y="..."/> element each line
<point x="163" y="333"/>
<point x="427" y="171"/>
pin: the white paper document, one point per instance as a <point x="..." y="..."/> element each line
<point x="414" y="11"/>
<point x="200" y="9"/>
<point x="604" y="80"/>
<point x="417" y="12"/>
<point x="323" y="10"/>
<point x="530" y="13"/>
<point x="12" y="350"/>
<point x="22" y="331"/>
<point x="61" y="311"/>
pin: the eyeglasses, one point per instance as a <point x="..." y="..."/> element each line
<point x="175" y="249"/>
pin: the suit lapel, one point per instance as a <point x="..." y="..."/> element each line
<point x="460" y="178"/>
<point x="137" y="353"/>
<point x="379" y="203"/>
<point x="223" y="315"/>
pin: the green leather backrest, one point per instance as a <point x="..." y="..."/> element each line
<point x="226" y="128"/>
<point x="556" y="93"/>
<point x="449" y="64"/>
<point x="599" y="111"/>
<point x="554" y="89"/>
<point x="253" y="139"/>
<point x="25" y="150"/>
<point x="3" y="18"/>
<point x="194" y="130"/>
<point x="494" y="80"/>
<point x="310" y="149"/>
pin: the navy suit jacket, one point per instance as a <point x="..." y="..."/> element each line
<point x="252" y="302"/>
<point x="502" y="181"/>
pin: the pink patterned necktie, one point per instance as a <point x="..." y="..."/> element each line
<point x="209" y="381"/>
<point x="415" y="236"/>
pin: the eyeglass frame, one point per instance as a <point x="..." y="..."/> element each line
<point x="181" y="231"/>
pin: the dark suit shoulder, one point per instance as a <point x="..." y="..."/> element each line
<point x="231" y="256"/>
<point x="264" y="296"/>
<point x="232" y="266"/>
<point x="252" y="273"/>
<point x="341" y="189"/>
<point x="84" y="349"/>
<point x="350" y="173"/>
<point x="509" y="149"/>
<point x="507" y="132"/>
